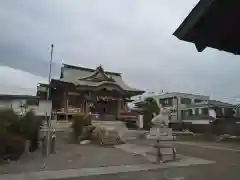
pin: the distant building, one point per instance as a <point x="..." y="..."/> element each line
<point x="174" y="102"/>
<point x="206" y="112"/>
<point x="190" y="108"/>
<point x="23" y="103"/>
<point x="237" y="110"/>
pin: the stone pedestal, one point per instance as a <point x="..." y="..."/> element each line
<point x="163" y="149"/>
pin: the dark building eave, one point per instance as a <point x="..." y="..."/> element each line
<point x="192" y="18"/>
<point x="212" y="23"/>
<point x="57" y="83"/>
<point x="17" y="97"/>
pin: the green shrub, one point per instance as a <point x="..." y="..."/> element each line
<point x="148" y="107"/>
<point x="7" y="118"/>
<point x="12" y="146"/>
<point x="29" y="126"/>
<point x="78" y="123"/>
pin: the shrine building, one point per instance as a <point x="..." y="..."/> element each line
<point x="83" y="90"/>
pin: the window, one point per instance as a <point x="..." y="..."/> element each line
<point x="197" y="111"/>
<point x="190" y="112"/>
<point x="183" y="115"/>
<point x="205" y="111"/>
<point x="185" y="101"/>
<point x="186" y="113"/>
<point x="166" y="102"/>
<point x="42" y="95"/>
<point x="197" y="100"/>
<point x="32" y="102"/>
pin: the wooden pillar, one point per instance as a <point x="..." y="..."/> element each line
<point x="118" y="108"/>
<point x="87" y="109"/>
<point x="66" y="104"/>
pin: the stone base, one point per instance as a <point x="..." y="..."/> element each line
<point x="167" y="154"/>
<point x="161" y="130"/>
<point x="161" y="138"/>
<point x="162" y="134"/>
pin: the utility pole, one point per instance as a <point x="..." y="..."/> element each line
<point x="48" y="98"/>
<point x="50" y="68"/>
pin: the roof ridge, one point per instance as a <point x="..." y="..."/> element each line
<point x="89" y="69"/>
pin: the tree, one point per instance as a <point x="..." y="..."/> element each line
<point x="148" y="107"/>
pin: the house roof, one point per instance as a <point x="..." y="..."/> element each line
<point x="11" y="97"/>
<point x="81" y="76"/>
<point x="212" y="23"/>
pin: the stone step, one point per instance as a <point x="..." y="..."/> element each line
<point x="108" y="141"/>
<point x="153" y="158"/>
<point x="166" y="150"/>
<point x="163" y="131"/>
<point x="161" y="138"/>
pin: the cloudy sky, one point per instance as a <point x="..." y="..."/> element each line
<point x="129" y="36"/>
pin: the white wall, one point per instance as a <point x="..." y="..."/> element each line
<point x="15" y="104"/>
<point x="5" y="104"/>
<point x="43" y="107"/>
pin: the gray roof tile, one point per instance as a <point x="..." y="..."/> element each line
<point x="74" y="74"/>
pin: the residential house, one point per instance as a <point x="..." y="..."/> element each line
<point x="206" y="112"/>
<point x="23" y="103"/>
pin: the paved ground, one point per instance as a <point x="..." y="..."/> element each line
<point x="227" y="166"/>
<point x="226" y="155"/>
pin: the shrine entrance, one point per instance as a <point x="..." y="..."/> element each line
<point x="105" y="107"/>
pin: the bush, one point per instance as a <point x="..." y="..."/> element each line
<point x="29" y="126"/>
<point x="148" y="107"/>
<point x="12" y="146"/>
<point x="7" y="118"/>
<point x="77" y="124"/>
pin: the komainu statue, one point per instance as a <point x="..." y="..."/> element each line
<point x="162" y="119"/>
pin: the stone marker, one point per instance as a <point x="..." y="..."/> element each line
<point x="163" y="150"/>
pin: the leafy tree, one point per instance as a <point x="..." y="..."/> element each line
<point x="148" y="107"/>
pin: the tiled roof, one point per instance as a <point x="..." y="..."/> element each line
<point x="73" y="74"/>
